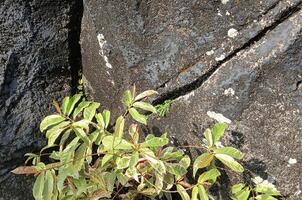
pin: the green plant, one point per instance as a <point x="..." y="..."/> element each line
<point x="90" y="159"/>
<point x="164" y="108"/>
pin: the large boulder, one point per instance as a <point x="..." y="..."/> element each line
<point x="39" y="60"/>
<point x="241" y="59"/>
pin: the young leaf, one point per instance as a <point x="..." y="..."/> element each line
<point x="99" y="118"/>
<point x="218" y="131"/>
<point x="106" y="116"/>
<point x="137" y="116"/>
<point x="122" y="163"/>
<point x="134" y="159"/>
<point x="182" y="192"/>
<point x="210" y="175"/>
<point x="65" y="105"/>
<point x="209" y="137"/>
<point x="230" y="162"/>
<point x="127" y="98"/>
<point x="80" y="107"/>
<point x="72" y="102"/>
<point x="145" y="106"/>
<point x="50" y="121"/>
<point x="145" y="94"/>
<point x="195" y="193"/>
<point x="230" y="151"/>
<point x="119" y="127"/>
<point x="89" y="112"/>
<point x="202" y="193"/>
<point x="202" y="161"/>
<point x="39" y="186"/>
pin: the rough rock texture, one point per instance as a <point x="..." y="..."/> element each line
<point x="39" y="59"/>
<point x="186" y="51"/>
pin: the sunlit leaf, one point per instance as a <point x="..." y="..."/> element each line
<point x="50" y="121"/>
<point x="145" y="94"/>
<point x="137" y="116"/>
<point x="145" y="106"/>
<point x="195" y="193"/>
<point x="48" y="186"/>
<point x="230" y="151"/>
<point x="209" y="137"/>
<point x="80" y="108"/>
<point x="122" y="163"/>
<point x="127" y="98"/>
<point x="99" y="118"/>
<point x="65" y="105"/>
<point x="230" y="162"/>
<point x="182" y="192"/>
<point x="202" y="161"/>
<point x="119" y="127"/>
<point x="210" y="175"/>
<point x="90" y="111"/>
<point x="202" y="193"/>
<point x="106" y="116"/>
<point x="72" y="102"/>
<point x="218" y="131"/>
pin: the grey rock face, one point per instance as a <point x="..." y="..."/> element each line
<point x="189" y="51"/>
<point x="38" y="60"/>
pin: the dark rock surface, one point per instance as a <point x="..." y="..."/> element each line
<point x="39" y="59"/>
<point x="187" y="51"/>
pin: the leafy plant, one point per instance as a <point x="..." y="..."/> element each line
<point x="164" y="108"/>
<point x="91" y="159"/>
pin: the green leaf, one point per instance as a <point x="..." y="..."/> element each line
<point x="210" y="175"/>
<point x="119" y="127"/>
<point x="264" y="197"/>
<point x="185" y="161"/>
<point x="137" y="116"/>
<point x="39" y="187"/>
<point x="230" y="162"/>
<point x="81" y="134"/>
<point x="106" y="159"/>
<point x="79" y="157"/>
<point x="106" y="116"/>
<point x="50" y="121"/>
<point x="145" y="106"/>
<point x="182" y="192"/>
<point x="110" y="143"/>
<point x="242" y="194"/>
<point x="122" y="178"/>
<point x="145" y="94"/>
<point x="148" y="191"/>
<point x="110" y="180"/>
<point x="48" y="186"/>
<point x="53" y="133"/>
<point x="72" y="102"/>
<point x="84" y="123"/>
<point x="134" y="159"/>
<point x="237" y="188"/>
<point x="195" y="193"/>
<point x="176" y="169"/>
<point x="230" y="151"/>
<point x="218" y="131"/>
<point x="99" y="118"/>
<point x="133" y="132"/>
<point x="202" y="161"/>
<point x="122" y="163"/>
<point x="127" y="98"/>
<point x="89" y="112"/>
<point x="267" y="189"/>
<point x="155" y="142"/>
<point x="80" y="107"/>
<point x="209" y="137"/>
<point x="65" y="105"/>
<point x="202" y="193"/>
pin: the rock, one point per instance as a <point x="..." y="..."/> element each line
<point x="163" y="44"/>
<point x="39" y="60"/>
<point x="265" y="107"/>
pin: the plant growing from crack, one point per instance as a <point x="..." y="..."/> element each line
<point x="164" y="108"/>
<point x="90" y="159"/>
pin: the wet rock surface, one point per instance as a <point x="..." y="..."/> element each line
<point x="38" y="63"/>
<point x="241" y="59"/>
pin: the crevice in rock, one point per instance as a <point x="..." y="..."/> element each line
<point x="75" y="58"/>
<point x="199" y="81"/>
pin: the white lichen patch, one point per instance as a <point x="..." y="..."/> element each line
<point x="187" y="96"/>
<point x="292" y="161"/>
<point x="102" y="42"/>
<point x="218" y="117"/>
<point x="220" y="58"/>
<point x="224" y="1"/>
<point x="232" y="33"/>
<point x="209" y="53"/>
<point x="227" y="13"/>
<point x="229" y="92"/>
